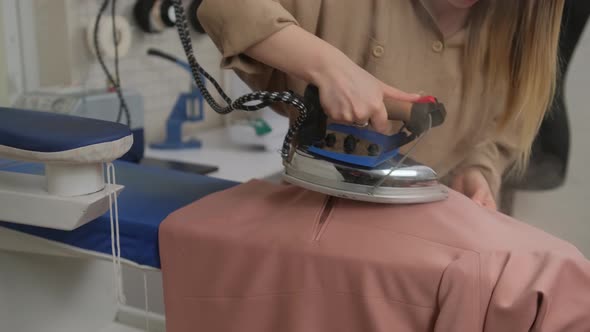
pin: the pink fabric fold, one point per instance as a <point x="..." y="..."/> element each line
<point x="263" y="257"/>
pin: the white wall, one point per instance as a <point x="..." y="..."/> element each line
<point x="564" y="211"/>
<point x="64" y="58"/>
<point x="11" y="76"/>
<point x="3" y="76"/>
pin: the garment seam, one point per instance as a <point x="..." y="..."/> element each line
<point x="322" y="225"/>
<point x="287" y="293"/>
<point x="487" y="285"/>
<point x="318" y="215"/>
<point x="479" y="287"/>
<point x="434" y="243"/>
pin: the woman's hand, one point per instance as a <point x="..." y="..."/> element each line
<point x="351" y="95"/>
<point x="474" y="185"/>
<point x="348" y="93"/>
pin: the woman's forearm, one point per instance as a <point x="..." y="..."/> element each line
<point x="348" y="93"/>
<point x="295" y="52"/>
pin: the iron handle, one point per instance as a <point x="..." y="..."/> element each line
<point x="416" y="115"/>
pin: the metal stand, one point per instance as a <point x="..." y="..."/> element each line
<point x="181" y="112"/>
<point x="177" y="118"/>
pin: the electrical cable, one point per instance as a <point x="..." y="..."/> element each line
<point x="261" y="99"/>
<point x="115" y="234"/>
<point x="401" y="161"/>
<point x="116" y="45"/>
<point x="115" y="82"/>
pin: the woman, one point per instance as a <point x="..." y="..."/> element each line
<point x="493" y="64"/>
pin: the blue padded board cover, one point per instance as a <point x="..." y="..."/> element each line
<point x="150" y="195"/>
<point x="50" y="132"/>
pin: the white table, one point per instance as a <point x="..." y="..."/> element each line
<point x="235" y="162"/>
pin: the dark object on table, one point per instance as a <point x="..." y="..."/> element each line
<point x="180" y="166"/>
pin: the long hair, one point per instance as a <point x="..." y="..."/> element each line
<point x="513" y="44"/>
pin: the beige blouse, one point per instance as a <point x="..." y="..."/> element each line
<point x="395" y="40"/>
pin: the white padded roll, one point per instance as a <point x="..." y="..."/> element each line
<point x="96" y="153"/>
<point x="69" y="180"/>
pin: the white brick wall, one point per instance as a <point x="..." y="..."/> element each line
<point x="159" y="81"/>
<point x="3" y="74"/>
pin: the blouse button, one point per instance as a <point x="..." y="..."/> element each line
<point x="437" y="46"/>
<point x="378" y="51"/>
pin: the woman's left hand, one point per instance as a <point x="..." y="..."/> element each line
<point x="474" y="185"/>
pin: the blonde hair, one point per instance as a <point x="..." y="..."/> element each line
<point x="513" y="44"/>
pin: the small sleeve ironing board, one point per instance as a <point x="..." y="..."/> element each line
<point x="55" y="138"/>
<point x="73" y="149"/>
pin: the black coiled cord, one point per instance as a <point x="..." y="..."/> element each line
<point x="115" y="81"/>
<point x="264" y="98"/>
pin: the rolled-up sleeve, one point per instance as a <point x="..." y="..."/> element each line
<point x="495" y="155"/>
<point x="492" y="158"/>
<point x="236" y="25"/>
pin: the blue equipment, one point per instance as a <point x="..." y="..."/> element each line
<point x="183" y="111"/>
<point x="381" y="149"/>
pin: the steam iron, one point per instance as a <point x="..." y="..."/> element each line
<point x="337" y="160"/>
<point x="359" y="164"/>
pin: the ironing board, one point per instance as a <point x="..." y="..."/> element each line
<point x="280" y="258"/>
<point x="150" y="194"/>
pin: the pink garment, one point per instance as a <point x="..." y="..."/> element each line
<point x="273" y="258"/>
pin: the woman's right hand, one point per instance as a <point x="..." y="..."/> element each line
<point x="348" y="93"/>
<point x="351" y="95"/>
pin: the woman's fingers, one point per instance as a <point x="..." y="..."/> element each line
<point x="378" y="113"/>
<point x="353" y="96"/>
<point x="390" y="92"/>
<point x="379" y="121"/>
<point x="482" y="193"/>
<point x="472" y="184"/>
<point x="399" y="103"/>
<point x="484" y="197"/>
<point x="480" y="196"/>
<point x="457" y="184"/>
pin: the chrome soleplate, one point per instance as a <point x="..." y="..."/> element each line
<point x="408" y="184"/>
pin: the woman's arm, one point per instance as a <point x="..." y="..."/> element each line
<point x="295" y="52"/>
<point x="480" y="175"/>
<point x="348" y="93"/>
